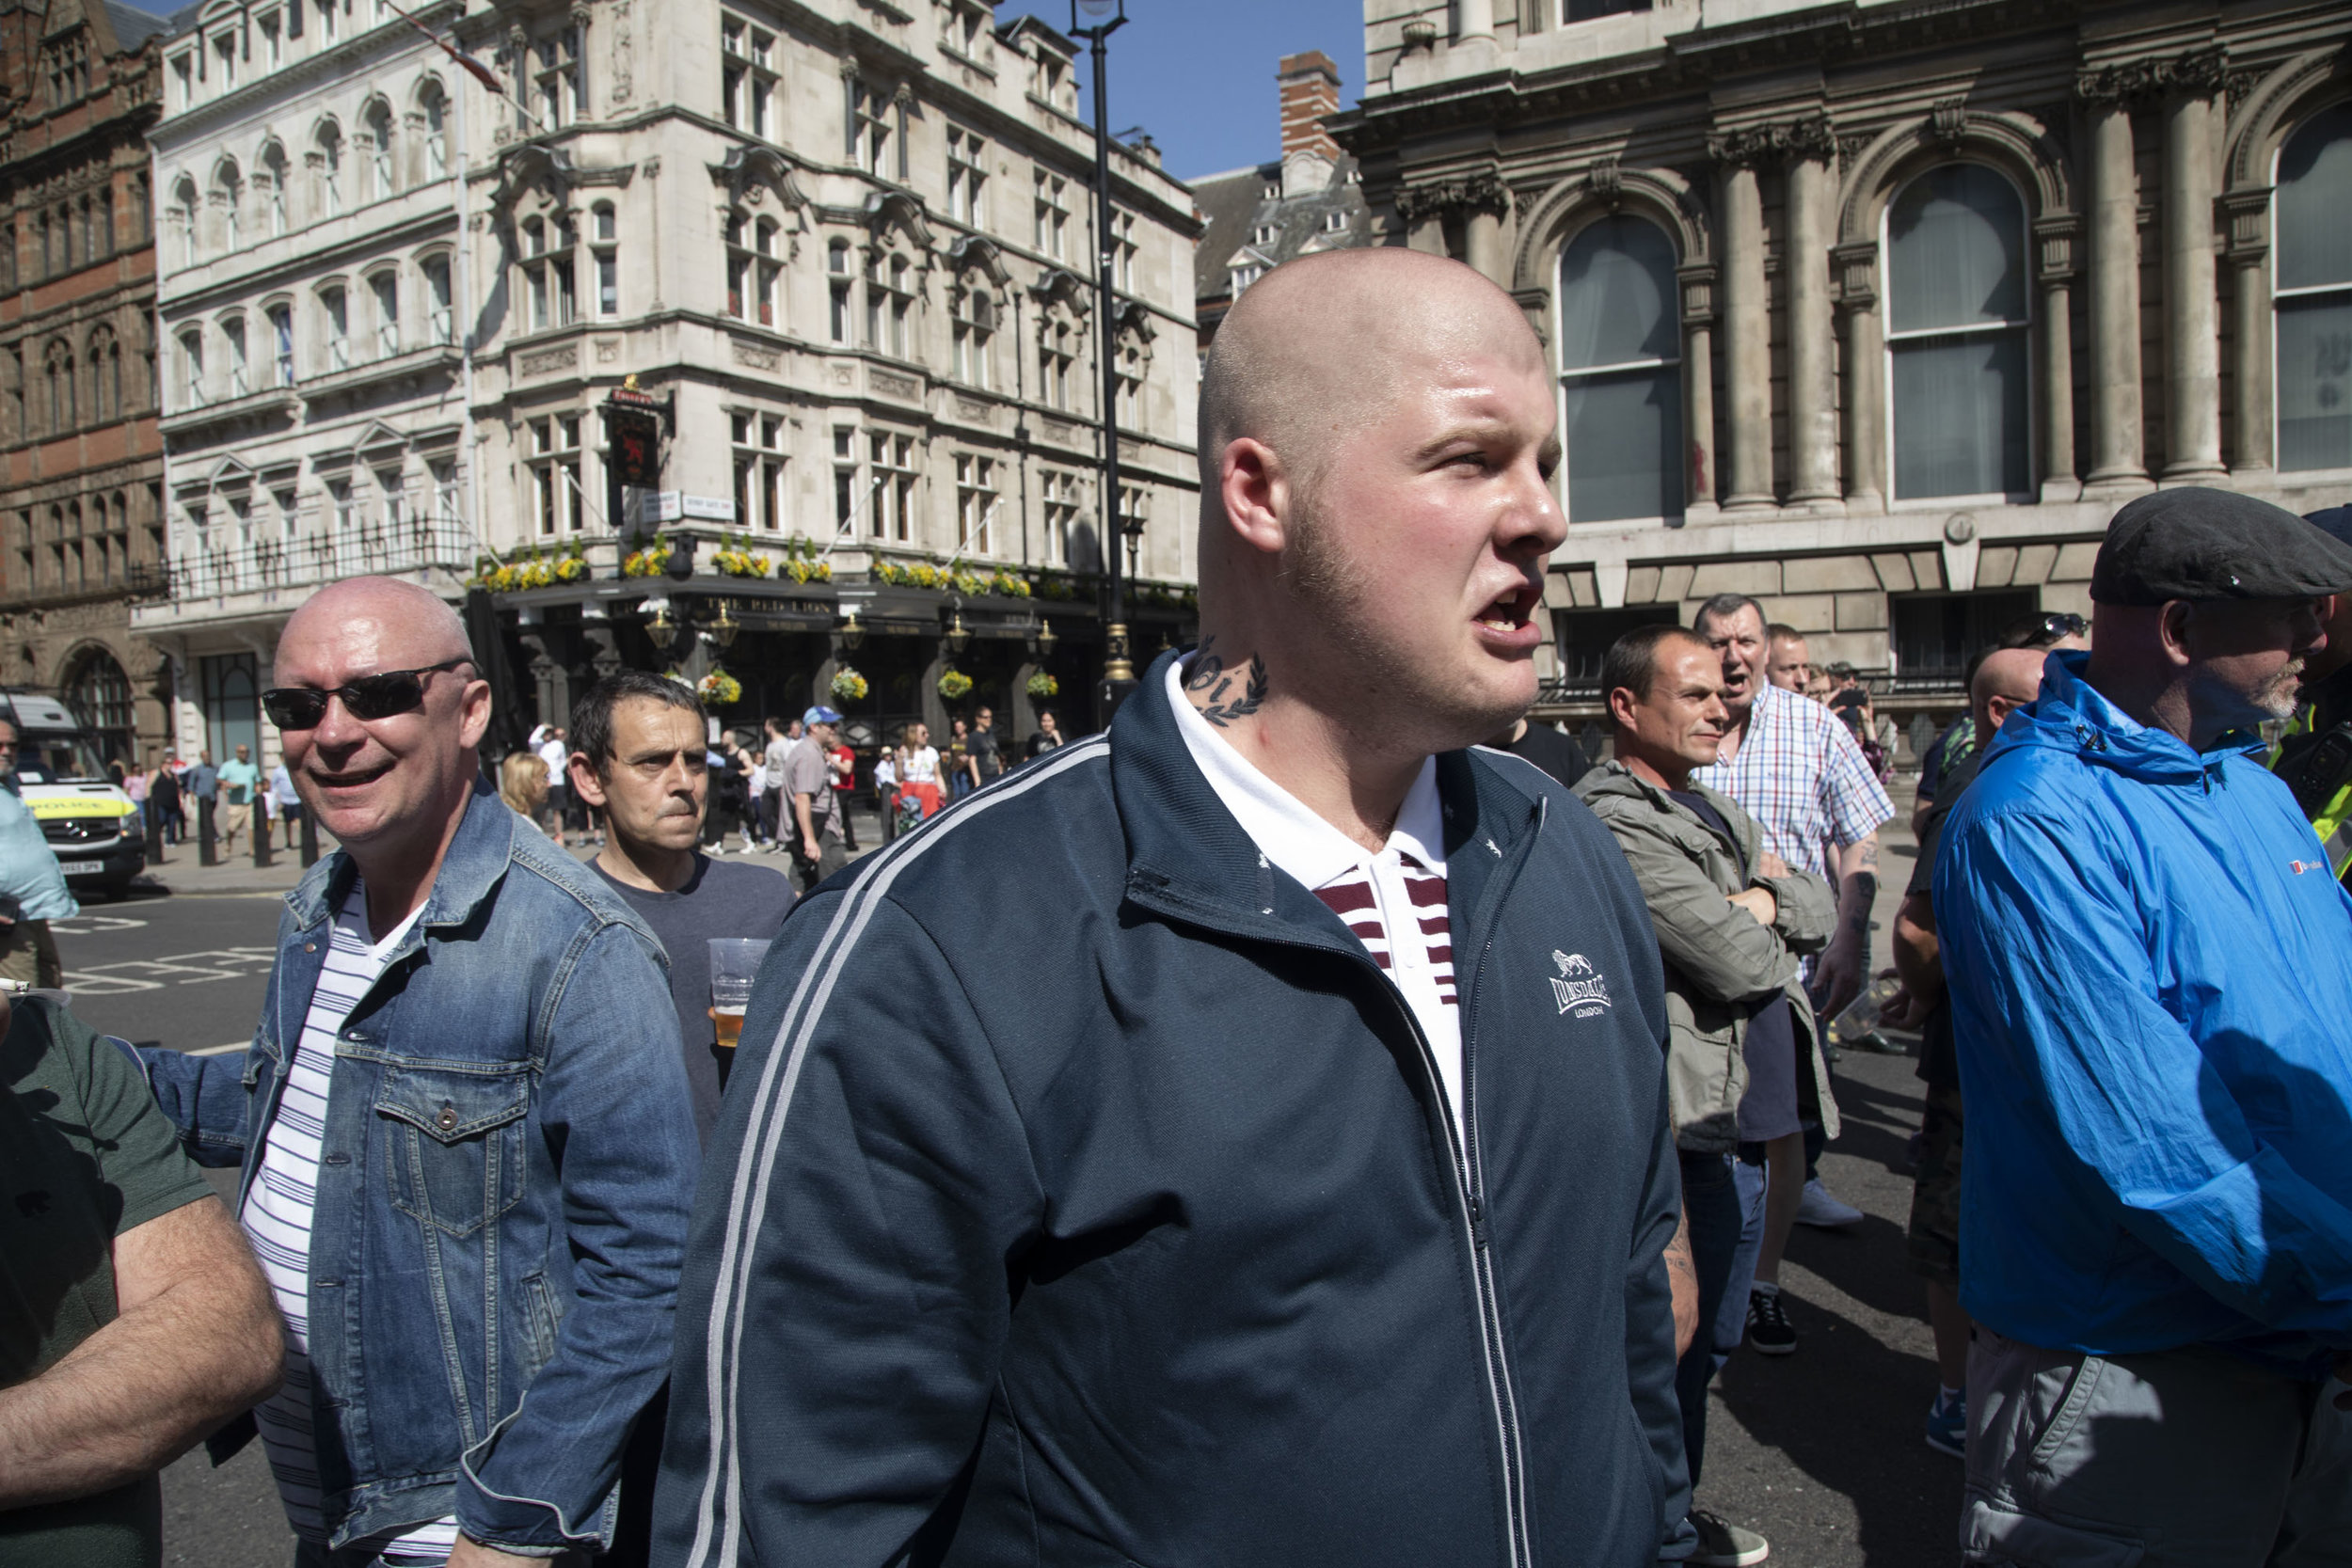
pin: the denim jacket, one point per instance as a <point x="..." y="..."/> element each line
<point x="502" y="1193"/>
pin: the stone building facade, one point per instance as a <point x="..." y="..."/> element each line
<point x="844" y="247"/>
<point x="81" y="463"/>
<point x="1878" y="312"/>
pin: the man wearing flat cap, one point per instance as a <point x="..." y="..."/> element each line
<point x="2149" y="967"/>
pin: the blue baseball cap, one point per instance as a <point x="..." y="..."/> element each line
<point x="821" y="715"/>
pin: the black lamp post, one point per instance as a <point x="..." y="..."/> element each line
<point x="1119" y="673"/>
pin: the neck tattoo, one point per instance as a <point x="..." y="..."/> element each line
<point x="1210" y="688"/>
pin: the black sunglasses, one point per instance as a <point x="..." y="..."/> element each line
<point x="301" y="707"/>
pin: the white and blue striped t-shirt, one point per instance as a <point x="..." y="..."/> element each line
<point x="277" y="1220"/>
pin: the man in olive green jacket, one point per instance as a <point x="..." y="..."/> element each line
<point x="1732" y="922"/>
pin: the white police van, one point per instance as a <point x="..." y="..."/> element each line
<point x="94" y="829"/>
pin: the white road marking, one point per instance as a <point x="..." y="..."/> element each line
<point x="179" y="968"/>
<point x="87" y="925"/>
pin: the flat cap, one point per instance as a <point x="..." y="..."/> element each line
<point x="2197" y="544"/>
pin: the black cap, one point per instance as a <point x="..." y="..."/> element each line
<point x="2197" y="544"/>
<point x="2336" y="521"/>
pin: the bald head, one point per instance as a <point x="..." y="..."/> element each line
<point x="1317" y="346"/>
<point x="413" y="627"/>
<point x="2007" y="680"/>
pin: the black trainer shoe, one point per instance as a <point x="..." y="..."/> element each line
<point x="1769" y="1329"/>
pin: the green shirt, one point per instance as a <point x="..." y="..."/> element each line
<point x="240" y="778"/>
<point x="86" y="1156"/>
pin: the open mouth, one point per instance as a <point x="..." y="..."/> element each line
<point x="1509" y="613"/>
<point x="351" y="778"/>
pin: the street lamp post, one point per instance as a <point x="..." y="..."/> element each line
<point x="1118" y="672"/>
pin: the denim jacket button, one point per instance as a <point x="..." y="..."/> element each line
<point x="448" y="1119"/>
<point x="309" y="947"/>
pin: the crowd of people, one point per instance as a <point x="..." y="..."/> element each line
<point x="1356" y="1130"/>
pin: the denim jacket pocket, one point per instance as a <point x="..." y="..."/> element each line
<point x="455" y="1142"/>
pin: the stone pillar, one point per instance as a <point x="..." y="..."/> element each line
<point x="2055" y="255"/>
<point x="1473" y="19"/>
<point x="1426" y="233"/>
<point x="1812" y="366"/>
<point x="2192" y="369"/>
<point x="2250" y="436"/>
<point x="2115" y="424"/>
<point x="1747" y="343"/>
<point x="1486" y="253"/>
<point x="1866" y="395"/>
<point x="1698" y="385"/>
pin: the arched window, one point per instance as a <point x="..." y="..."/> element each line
<point x="2312" y="285"/>
<point x="63" y="408"/>
<point x="1620" y="372"/>
<point x="335" y="309"/>
<point x="768" y="273"/>
<point x="183" y="218"/>
<point x="837" y="279"/>
<point x="442" y="320"/>
<point x="228" y="197"/>
<point x="381" y="182"/>
<point x="240" y="372"/>
<point x="1957" y="360"/>
<point x="434" y="105"/>
<point x="192" y="368"/>
<point x="385" y="286"/>
<point x="100" y="695"/>
<point x="889" y="302"/>
<point x="273" y="175"/>
<point x="105" y="364"/>
<point x="328" y="152"/>
<point x="605" y="244"/>
<point x="739" y="266"/>
<point x="282" y="343"/>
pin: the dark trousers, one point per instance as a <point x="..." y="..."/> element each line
<point x="1712" y="1200"/>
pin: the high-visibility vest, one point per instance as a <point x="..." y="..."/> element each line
<point x="2333" y="822"/>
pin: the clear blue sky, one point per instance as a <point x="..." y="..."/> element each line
<point x="1199" y="75"/>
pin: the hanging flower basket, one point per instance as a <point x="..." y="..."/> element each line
<point x="955" y="686"/>
<point x="1042" y="686"/>
<point x="720" y="690"/>
<point x="849" y="685"/>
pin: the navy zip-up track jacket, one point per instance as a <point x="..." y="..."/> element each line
<point x="1084" y="1196"/>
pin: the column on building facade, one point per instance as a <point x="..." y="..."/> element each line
<point x="1473" y="19"/>
<point x="1698" y="383"/>
<point x="1812" y="373"/>
<point x="2192" y="371"/>
<point x="2115" y="421"/>
<point x="1865" y="341"/>
<point x="1486" y="253"/>
<point x="1747" y="342"/>
<point x="2055" y="255"/>
<point x="2249" y="213"/>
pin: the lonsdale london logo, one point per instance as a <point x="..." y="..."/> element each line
<point x="1579" y="987"/>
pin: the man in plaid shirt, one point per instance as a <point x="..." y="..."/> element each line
<point x="1795" y="767"/>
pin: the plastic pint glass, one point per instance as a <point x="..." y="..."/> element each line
<point x="733" y="963"/>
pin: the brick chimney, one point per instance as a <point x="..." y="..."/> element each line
<point x="1310" y="94"/>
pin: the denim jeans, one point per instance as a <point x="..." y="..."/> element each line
<point x="1731" y="1321"/>
<point x="1710" y="1195"/>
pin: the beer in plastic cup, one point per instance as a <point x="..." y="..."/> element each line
<point x="734" y="964"/>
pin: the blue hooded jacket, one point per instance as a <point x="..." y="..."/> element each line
<point x="2151" y="978"/>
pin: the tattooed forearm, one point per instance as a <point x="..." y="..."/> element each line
<point x="1683" y="1279"/>
<point x="1219" y="711"/>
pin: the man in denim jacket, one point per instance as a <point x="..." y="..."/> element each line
<point x="466" y="1142"/>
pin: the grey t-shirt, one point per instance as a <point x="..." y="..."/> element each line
<point x="722" y="899"/>
<point x="806" y="772"/>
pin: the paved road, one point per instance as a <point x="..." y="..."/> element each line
<point x="1820" y="1450"/>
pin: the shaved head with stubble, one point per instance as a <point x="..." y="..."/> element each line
<point x="1377" y="448"/>
<point x="393" y="789"/>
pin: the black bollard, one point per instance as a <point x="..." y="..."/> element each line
<point x="153" y="823"/>
<point x="207" y="841"/>
<point x="264" y="829"/>
<point x="310" y="838"/>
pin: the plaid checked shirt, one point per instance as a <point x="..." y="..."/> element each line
<point x="1801" y="775"/>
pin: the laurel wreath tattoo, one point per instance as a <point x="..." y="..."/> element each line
<point x="1222" y="713"/>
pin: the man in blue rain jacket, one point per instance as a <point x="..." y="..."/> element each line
<point x="2150" y="974"/>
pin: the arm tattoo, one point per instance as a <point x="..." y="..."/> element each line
<point x="1222" y="713"/>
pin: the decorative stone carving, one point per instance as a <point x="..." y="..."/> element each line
<point x="623" y="60"/>
<point x="757" y="357"/>
<point x="1947" y="122"/>
<point x="891" y="384"/>
<point x="563" y="358"/>
<point x="1608" y="180"/>
<point x="1752" y="146"/>
<point x="1483" y="192"/>
<point x="608" y="351"/>
<point x="2195" y="72"/>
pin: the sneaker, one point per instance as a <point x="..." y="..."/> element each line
<point x="1824" y="1213"/>
<point x="1723" y="1545"/>
<point x="1769" y="1329"/>
<point x="1948" y="1423"/>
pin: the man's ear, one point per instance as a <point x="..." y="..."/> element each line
<point x="1254" y="491"/>
<point x="2175" y="630"/>
<point x="1621" y="708"/>
<point x="583" y="780"/>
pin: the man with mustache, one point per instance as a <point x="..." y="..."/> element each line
<point x="2150" y="969"/>
<point x="467" y="1146"/>
<point x="1240" y="1137"/>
